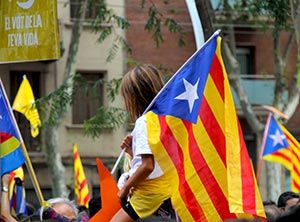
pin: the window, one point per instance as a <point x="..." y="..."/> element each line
<point x="245" y="57"/>
<point x="91" y="12"/>
<point x="34" y="78"/>
<point x="87" y="100"/>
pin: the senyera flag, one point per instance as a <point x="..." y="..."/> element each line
<point x="81" y="188"/>
<point x="11" y="156"/>
<point x="195" y="135"/>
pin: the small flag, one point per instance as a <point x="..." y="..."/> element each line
<point x="195" y="136"/>
<point x="17" y="192"/>
<point x="24" y="103"/>
<point x="11" y="156"/>
<point x="276" y="147"/>
<point x="281" y="146"/>
<point x="109" y="195"/>
<point x="81" y="186"/>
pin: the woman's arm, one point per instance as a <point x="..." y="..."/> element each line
<point x="142" y="172"/>
<point x="5" y="206"/>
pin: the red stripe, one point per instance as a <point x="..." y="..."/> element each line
<point x="296" y="170"/>
<point x="248" y="184"/>
<point x="212" y="187"/>
<point x="176" y="155"/>
<point x="213" y="129"/>
<point x="4" y="137"/>
<point x="216" y="73"/>
<point x="295" y="184"/>
<point x="76" y="155"/>
<point x="86" y="199"/>
<point x="291" y="141"/>
<point x="83" y="183"/>
<point x="283" y="156"/>
<point x="295" y="156"/>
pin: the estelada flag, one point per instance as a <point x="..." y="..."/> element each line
<point x="24" y="103"/>
<point x="195" y="136"/>
<point x="11" y="155"/>
<point x="280" y="146"/>
<point x="275" y="144"/>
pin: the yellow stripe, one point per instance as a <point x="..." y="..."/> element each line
<point x="9" y="146"/>
<point x="161" y="156"/>
<point x="232" y="146"/>
<point x="210" y="154"/>
<point x="81" y="194"/>
<point x="180" y="133"/>
<point x="279" y="159"/>
<point x="215" y="102"/>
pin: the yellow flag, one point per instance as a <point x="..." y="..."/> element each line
<point x="81" y="186"/>
<point x="24" y="103"/>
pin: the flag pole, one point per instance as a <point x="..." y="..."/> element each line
<point x="259" y="163"/>
<point x="28" y="163"/>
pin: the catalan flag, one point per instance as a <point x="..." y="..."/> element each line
<point x="275" y="144"/>
<point x="281" y="146"/>
<point x="24" y="103"/>
<point x="17" y="192"/>
<point x="11" y="156"/>
<point x="195" y="136"/>
<point x="81" y="186"/>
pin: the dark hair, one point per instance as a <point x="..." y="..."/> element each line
<point x="268" y="202"/>
<point x="139" y="87"/>
<point x="284" y="197"/>
<point x="94" y="205"/>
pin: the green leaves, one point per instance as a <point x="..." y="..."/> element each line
<point x="106" y="118"/>
<point x="154" y="23"/>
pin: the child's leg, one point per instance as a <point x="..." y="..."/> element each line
<point x="121" y="216"/>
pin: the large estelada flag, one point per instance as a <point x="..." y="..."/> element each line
<point x="195" y="135"/>
<point x="11" y="156"/>
<point x="81" y="188"/>
<point x="281" y="146"/>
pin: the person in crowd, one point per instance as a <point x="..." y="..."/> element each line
<point x="95" y="205"/>
<point x="146" y="187"/>
<point x="287" y="199"/>
<point x="272" y="211"/>
<point x="292" y="215"/>
<point x="61" y="209"/>
<point x="5" y="206"/>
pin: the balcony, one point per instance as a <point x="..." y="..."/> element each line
<point x="259" y="88"/>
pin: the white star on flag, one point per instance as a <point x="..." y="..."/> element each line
<point x="190" y="94"/>
<point x="277" y="138"/>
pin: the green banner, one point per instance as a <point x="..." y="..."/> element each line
<point x="28" y="30"/>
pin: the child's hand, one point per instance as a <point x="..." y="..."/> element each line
<point x="122" y="180"/>
<point x="127" y="145"/>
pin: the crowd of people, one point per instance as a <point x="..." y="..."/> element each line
<point x="59" y="209"/>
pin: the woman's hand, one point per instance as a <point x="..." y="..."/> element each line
<point x="127" y="144"/>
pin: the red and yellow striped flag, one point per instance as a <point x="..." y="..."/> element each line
<point x="195" y="136"/>
<point x="81" y="186"/>
<point x="294" y="151"/>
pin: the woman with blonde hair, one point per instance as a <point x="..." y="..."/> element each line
<point x="146" y="188"/>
